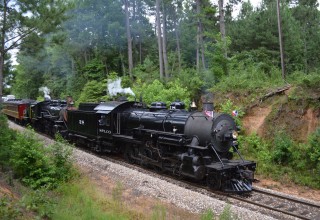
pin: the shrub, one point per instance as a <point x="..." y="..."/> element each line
<point x="148" y="71"/>
<point x="191" y="79"/>
<point x="7" y="138"/>
<point x="157" y="91"/>
<point x="249" y="78"/>
<point x="30" y="162"/>
<point x="281" y="153"/>
<point x="38" y="201"/>
<point x="38" y="166"/>
<point x="228" y="107"/>
<point x="256" y="147"/>
<point x="314" y="150"/>
<point x="61" y="153"/>
<point x="93" y="91"/>
<point x="8" y="210"/>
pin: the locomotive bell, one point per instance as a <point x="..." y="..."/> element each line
<point x="193" y="105"/>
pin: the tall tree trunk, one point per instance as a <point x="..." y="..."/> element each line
<point x="130" y="60"/>
<point x="164" y="43"/>
<point x="178" y="45"/>
<point x="2" y="49"/>
<point x="200" y="43"/>
<point x="198" y="37"/>
<point x="159" y="38"/>
<point x="123" y="67"/>
<point x="140" y="50"/>
<point x="305" y="50"/>
<point x="85" y="57"/>
<point x="280" y="42"/>
<point x="202" y="48"/>
<point x="222" y="27"/>
<point x="1" y="75"/>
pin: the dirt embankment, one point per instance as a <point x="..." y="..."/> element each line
<point x="254" y="120"/>
<point x="298" y="118"/>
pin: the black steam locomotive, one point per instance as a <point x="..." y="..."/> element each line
<point x="193" y="145"/>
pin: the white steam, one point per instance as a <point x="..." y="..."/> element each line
<point x="114" y="88"/>
<point x="46" y="92"/>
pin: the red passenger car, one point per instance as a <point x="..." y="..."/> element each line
<point x="16" y="109"/>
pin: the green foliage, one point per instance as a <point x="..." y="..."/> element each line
<point x="30" y="163"/>
<point x="257" y="29"/>
<point x="228" y="107"/>
<point x="158" y="91"/>
<point x="314" y="150"/>
<point x="208" y="215"/>
<point x="8" y="209"/>
<point x="94" y="91"/>
<point x="38" y="166"/>
<point x="248" y="77"/>
<point x="39" y="201"/>
<point x="227" y="214"/>
<point x="94" y="70"/>
<point x="281" y="150"/>
<point x="255" y="147"/>
<point x="189" y="78"/>
<point x="218" y="63"/>
<point x="60" y="153"/>
<point x="284" y="158"/>
<point x="306" y="88"/>
<point x="148" y="70"/>
<point x="7" y="138"/>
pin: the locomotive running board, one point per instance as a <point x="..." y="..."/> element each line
<point x="126" y="138"/>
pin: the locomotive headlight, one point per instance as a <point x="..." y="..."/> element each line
<point x="234" y="135"/>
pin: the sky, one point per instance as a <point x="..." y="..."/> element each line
<point x="255" y="3"/>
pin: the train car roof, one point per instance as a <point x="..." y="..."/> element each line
<point x="19" y="101"/>
<point x="107" y="107"/>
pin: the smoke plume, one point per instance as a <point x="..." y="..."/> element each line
<point x="114" y="88"/>
<point x="46" y="92"/>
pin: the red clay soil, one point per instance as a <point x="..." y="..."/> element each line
<point x="291" y="189"/>
<point x="253" y="121"/>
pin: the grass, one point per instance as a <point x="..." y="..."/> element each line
<point x="81" y="200"/>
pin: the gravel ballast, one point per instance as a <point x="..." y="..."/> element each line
<point x="161" y="189"/>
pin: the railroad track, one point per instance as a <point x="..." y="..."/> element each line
<point x="280" y="204"/>
<point x="277" y="203"/>
<point x="295" y="207"/>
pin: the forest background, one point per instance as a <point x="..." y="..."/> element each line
<point x="172" y="49"/>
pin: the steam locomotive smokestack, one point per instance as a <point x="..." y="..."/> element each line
<point x="208" y="106"/>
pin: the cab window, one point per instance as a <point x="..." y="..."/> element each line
<point x="104" y="120"/>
